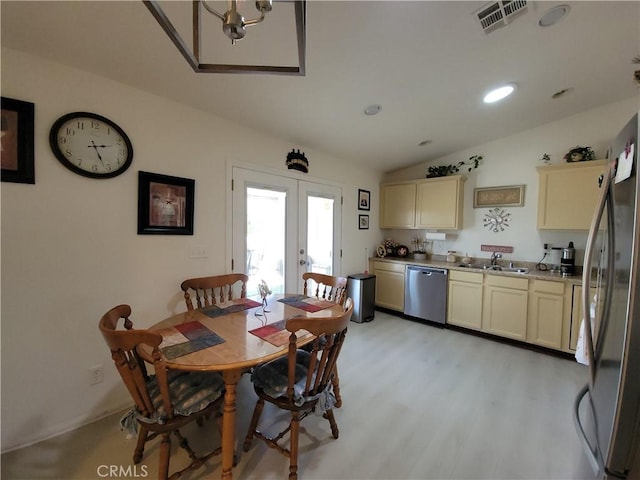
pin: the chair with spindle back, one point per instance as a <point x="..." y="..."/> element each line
<point x="164" y="401"/>
<point x="301" y="381"/>
<point x="333" y="289"/>
<point x="327" y="287"/>
<point x="212" y="290"/>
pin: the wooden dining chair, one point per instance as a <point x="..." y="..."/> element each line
<point x="165" y="401"/>
<point x="327" y="287"/>
<point x="333" y="289"/>
<point x="300" y="382"/>
<point x="211" y="290"/>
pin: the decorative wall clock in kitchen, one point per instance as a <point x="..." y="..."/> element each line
<point x="91" y="145"/>
<point x="496" y="219"/>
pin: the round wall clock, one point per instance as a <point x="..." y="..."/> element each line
<point x="91" y="145"/>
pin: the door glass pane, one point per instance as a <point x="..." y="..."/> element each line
<point x="266" y="222"/>
<point x="320" y="234"/>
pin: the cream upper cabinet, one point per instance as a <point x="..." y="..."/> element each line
<point x="464" y="303"/>
<point x="505" y="306"/>
<point x="429" y="203"/>
<point x="389" y="284"/>
<point x="568" y="194"/>
<point x="397" y="205"/>
<point x="439" y="203"/>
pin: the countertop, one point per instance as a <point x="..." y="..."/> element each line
<point x="436" y="262"/>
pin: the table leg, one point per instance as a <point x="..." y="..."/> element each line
<point x="231" y="378"/>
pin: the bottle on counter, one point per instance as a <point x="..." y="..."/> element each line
<point x="451" y="256"/>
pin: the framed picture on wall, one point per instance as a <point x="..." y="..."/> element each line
<point x="165" y="204"/>
<point x="364" y="199"/>
<point x="17" y="141"/>
<point x="363" y="222"/>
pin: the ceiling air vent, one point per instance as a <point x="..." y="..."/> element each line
<point x="498" y="14"/>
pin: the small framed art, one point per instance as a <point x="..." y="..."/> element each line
<point x="364" y="199"/>
<point x="363" y="222"/>
<point x="508" y="196"/>
<point x="165" y="204"/>
<point x="17" y="141"/>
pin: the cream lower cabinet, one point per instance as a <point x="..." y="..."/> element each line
<point x="504" y="310"/>
<point x="549" y="311"/>
<point x="389" y="284"/>
<point x="464" y="304"/>
<point x="576" y="314"/>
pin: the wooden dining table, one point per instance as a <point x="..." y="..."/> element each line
<point x="231" y="338"/>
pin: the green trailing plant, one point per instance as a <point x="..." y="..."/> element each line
<point x="580" y="154"/>
<point x="445" y="170"/>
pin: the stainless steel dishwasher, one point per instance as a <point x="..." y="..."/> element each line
<point x="425" y="293"/>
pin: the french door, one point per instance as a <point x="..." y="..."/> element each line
<point x="283" y="227"/>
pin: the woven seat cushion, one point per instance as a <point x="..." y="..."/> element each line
<point x="272" y="377"/>
<point x="190" y="391"/>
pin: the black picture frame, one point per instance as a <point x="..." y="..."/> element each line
<point x="165" y="204"/>
<point x="364" y="199"/>
<point x="17" y="141"/>
<point x="363" y="222"/>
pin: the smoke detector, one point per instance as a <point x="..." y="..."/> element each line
<point x="495" y="15"/>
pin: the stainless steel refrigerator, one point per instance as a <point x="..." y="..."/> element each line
<point x="607" y="409"/>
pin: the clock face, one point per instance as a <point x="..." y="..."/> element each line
<point x="90" y="145"/>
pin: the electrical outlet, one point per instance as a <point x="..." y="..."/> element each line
<point x="198" y="252"/>
<point x="96" y="374"/>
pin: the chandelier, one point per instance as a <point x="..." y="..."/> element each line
<point x="233" y="23"/>
<point x="234" y="26"/>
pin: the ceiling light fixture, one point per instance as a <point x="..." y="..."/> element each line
<point x="553" y="15"/>
<point x="234" y="26"/>
<point x="499" y="93"/>
<point x="372" y="109"/>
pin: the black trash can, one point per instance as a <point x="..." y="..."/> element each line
<point x="361" y="287"/>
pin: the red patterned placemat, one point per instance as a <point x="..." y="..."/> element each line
<point x="274" y="333"/>
<point x="308" y="304"/>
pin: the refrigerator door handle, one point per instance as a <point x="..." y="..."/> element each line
<point x="591" y="452"/>
<point x="586" y="273"/>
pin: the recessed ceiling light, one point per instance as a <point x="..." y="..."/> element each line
<point x="499" y="93"/>
<point x="372" y="109"/>
<point x="553" y="15"/>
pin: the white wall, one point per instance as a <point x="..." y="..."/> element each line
<point x="513" y="161"/>
<point x="70" y="249"/>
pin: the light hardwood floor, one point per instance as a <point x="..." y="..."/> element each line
<point x="420" y="402"/>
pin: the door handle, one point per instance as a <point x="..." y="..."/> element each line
<point x="586" y="272"/>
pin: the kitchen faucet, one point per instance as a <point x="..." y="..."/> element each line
<point x="494" y="258"/>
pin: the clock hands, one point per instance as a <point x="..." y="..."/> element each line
<point x="95" y="147"/>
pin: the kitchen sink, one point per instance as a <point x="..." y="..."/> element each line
<point x="497" y="268"/>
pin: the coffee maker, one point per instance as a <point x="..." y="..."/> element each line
<point x="567" y="261"/>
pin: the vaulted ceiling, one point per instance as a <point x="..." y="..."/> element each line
<point x="427" y="63"/>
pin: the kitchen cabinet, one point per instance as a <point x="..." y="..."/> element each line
<point x="548" y="313"/>
<point x="464" y="305"/>
<point x="567" y="195"/>
<point x="434" y="203"/>
<point x="439" y="203"/>
<point x="504" y="310"/>
<point x="389" y="284"/>
<point x="398" y="205"/>
<point x="576" y="313"/>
